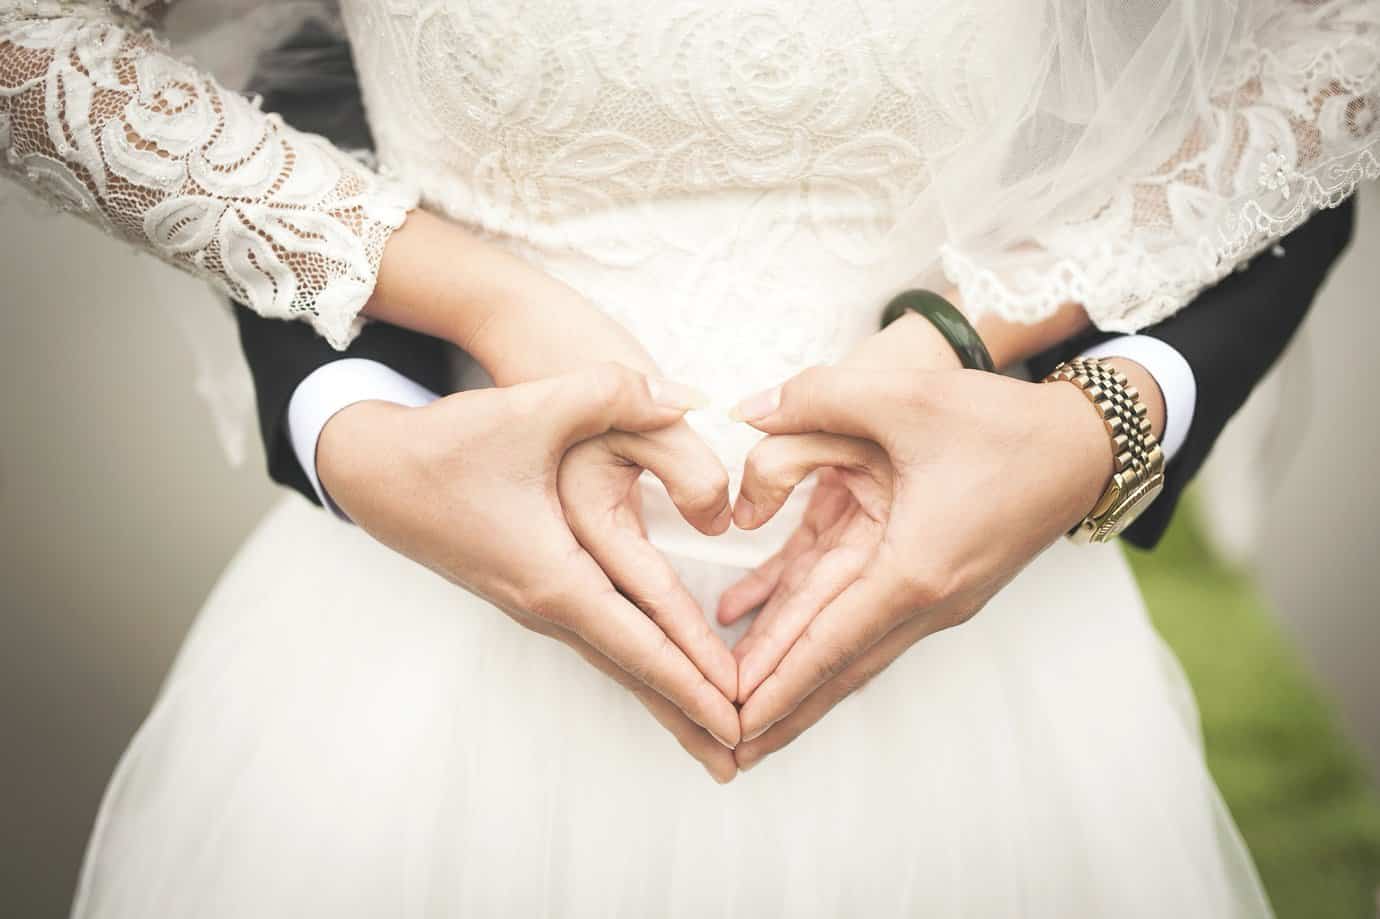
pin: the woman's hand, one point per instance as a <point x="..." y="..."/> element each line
<point x="597" y="487"/>
<point x="947" y="484"/>
<point x="522" y="325"/>
<point x="518" y="322"/>
<point x="468" y="486"/>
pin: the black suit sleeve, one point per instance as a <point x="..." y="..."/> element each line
<point x="311" y="82"/>
<point x="1231" y="335"/>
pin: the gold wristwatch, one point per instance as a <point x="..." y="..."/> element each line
<point x="1139" y="476"/>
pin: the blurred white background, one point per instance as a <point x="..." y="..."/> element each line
<point x="119" y="509"/>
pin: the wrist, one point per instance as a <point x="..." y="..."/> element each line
<point x="1149" y="389"/>
<point x="909" y="343"/>
<point x="1011" y="342"/>
<point x="1077" y="445"/>
<point x="439" y="279"/>
<point x="537" y="337"/>
<point x="1138" y="461"/>
<point x="346" y="450"/>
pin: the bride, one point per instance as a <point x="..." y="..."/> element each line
<point x="724" y="195"/>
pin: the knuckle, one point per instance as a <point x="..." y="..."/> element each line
<point x="923" y="586"/>
<point x="638" y="670"/>
<point x="766" y="463"/>
<point x="829" y="658"/>
<point x="609" y="382"/>
<point x="661" y="662"/>
<point x="644" y="669"/>
<point x="957" y="614"/>
<point x="534" y="624"/>
<point x="654" y="587"/>
<point x="542" y="627"/>
<point x="873" y="456"/>
<point x="706" y="491"/>
<point x="579" y="458"/>
<point x="549" y="600"/>
<point x="852" y="681"/>
<point x="811" y="378"/>
<point x="638" y="691"/>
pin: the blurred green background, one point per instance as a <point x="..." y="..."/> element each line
<point x="1298" y="789"/>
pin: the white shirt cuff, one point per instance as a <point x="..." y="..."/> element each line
<point x="1173" y="374"/>
<point x="335" y="386"/>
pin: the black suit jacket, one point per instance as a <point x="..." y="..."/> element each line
<point x="1231" y="335"/>
<point x="283" y="354"/>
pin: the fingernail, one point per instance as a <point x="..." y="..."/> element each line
<point x="721" y="740"/>
<point x="721" y="521"/>
<point x="755" y="408"/>
<point x="756" y="734"/>
<point x="743" y="513"/>
<point x="670" y="394"/>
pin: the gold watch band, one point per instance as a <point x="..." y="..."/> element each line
<point x="1138" y="475"/>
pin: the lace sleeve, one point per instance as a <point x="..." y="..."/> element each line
<point x="99" y="118"/>
<point x="1289" y="128"/>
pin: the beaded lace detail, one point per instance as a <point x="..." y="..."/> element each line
<point x="100" y="119"/>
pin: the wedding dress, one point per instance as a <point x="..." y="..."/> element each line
<point x="743" y="184"/>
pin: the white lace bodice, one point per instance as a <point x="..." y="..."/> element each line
<point x="742" y="182"/>
<point x="834" y="134"/>
<point x="599" y="129"/>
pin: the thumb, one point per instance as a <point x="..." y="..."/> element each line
<point x="693" y="476"/>
<point x="779" y="463"/>
<point x="831" y="400"/>
<point x="586" y="403"/>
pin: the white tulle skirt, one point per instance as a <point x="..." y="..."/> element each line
<point x="346" y="735"/>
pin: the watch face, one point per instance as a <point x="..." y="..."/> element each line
<point x="1132" y="507"/>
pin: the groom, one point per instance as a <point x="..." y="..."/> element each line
<point x="1205" y="360"/>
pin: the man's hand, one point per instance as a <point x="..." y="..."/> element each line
<point x="945" y="485"/>
<point x="468" y="486"/>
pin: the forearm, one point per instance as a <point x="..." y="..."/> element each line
<point x="420" y="289"/>
<point x="518" y="322"/>
<point x="1011" y="342"/>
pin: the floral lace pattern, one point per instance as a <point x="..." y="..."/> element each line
<point x="100" y="120"/>
<point x="567" y="126"/>
<point x="1293" y="128"/>
<point x="724" y="178"/>
<point x="736" y="180"/>
<point x="572" y="108"/>
<point x="765" y="155"/>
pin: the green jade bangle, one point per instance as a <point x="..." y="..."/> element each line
<point x="945" y="317"/>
